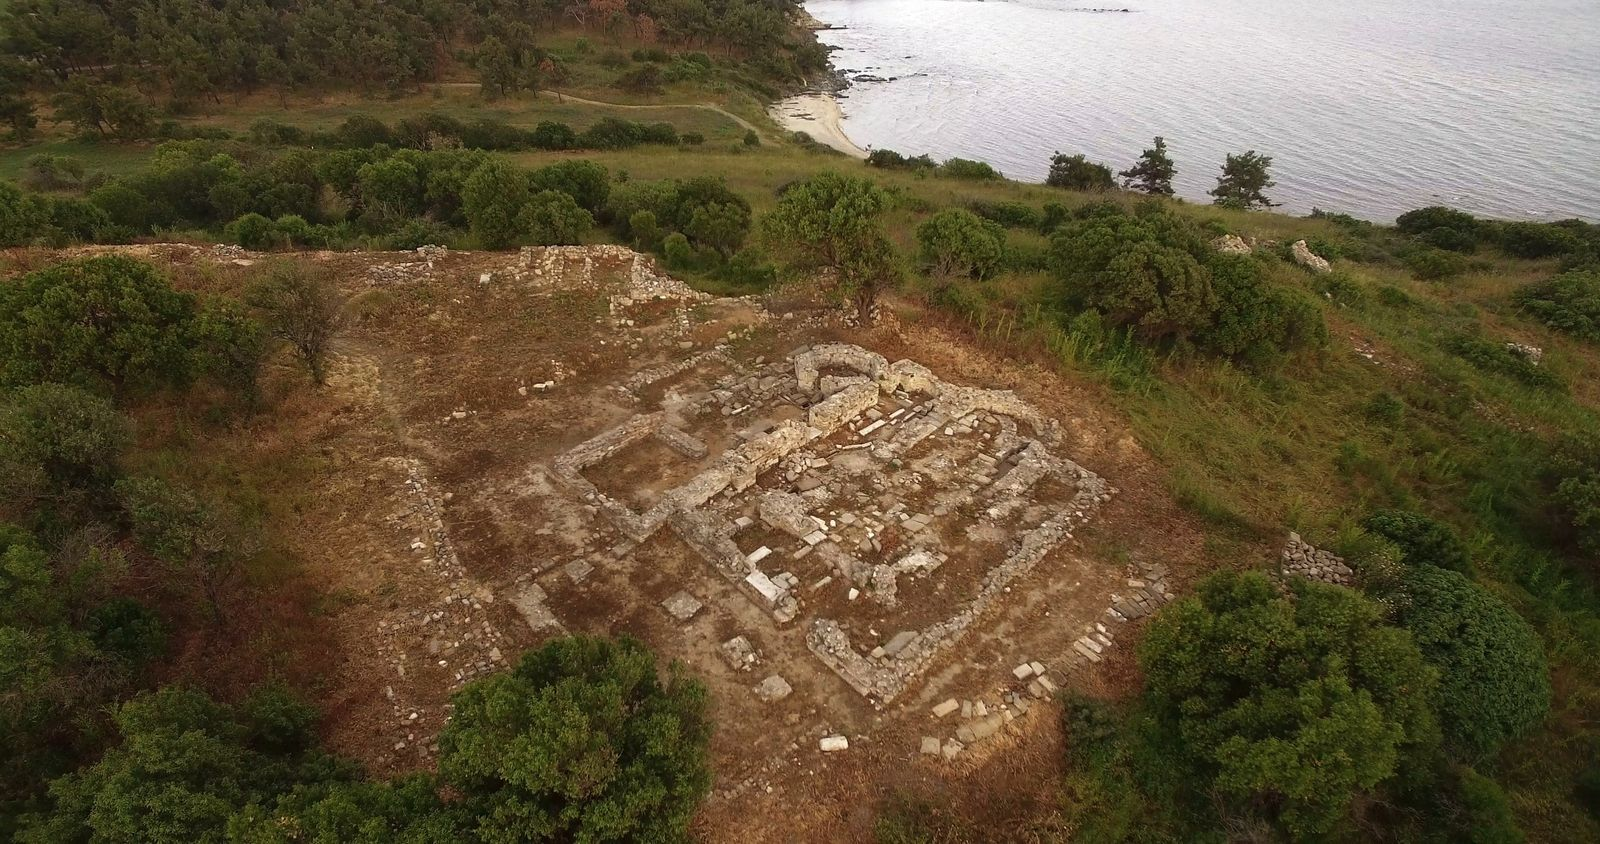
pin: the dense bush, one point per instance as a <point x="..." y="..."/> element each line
<point x="1422" y="541"/>
<point x="1493" y="681"/>
<point x="1572" y="477"/>
<point x="1075" y="172"/>
<point x="1568" y="302"/>
<point x="1014" y="215"/>
<point x="1430" y="264"/>
<point x="553" y="218"/>
<point x="1445" y="228"/>
<point x="582" y="741"/>
<point x="1297" y="704"/>
<point x="185" y="765"/>
<point x="966" y="168"/>
<point x="103" y="321"/>
<point x="957" y="242"/>
<point x="888" y="159"/>
<point x="704" y="210"/>
<point x="1154" y="272"/>
<point x="1536" y="240"/>
<point x="1497" y="358"/>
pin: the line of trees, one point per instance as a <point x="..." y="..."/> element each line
<point x="97" y="559"/>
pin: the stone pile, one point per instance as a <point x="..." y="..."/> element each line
<point x="1231" y="244"/>
<point x="1308" y="259"/>
<point x="1534" y="354"/>
<point x="1301" y="558"/>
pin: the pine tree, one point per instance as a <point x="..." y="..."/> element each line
<point x="1153" y="174"/>
<point x="1244" y="181"/>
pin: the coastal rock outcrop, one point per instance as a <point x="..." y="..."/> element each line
<point x="1308" y="259"/>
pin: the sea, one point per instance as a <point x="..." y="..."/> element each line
<point x="1367" y="107"/>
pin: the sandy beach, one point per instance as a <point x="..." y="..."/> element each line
<point x="817" y="115"/>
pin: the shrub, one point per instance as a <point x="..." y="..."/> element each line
<point x="1568" y="302"/>
<point x="1536" y="240"/>
<point x="552" y="218"/>
<point x="1255" y="320"/>
<point x="106" y="320"/>
<point x="645" y="229"/>
<point x="362" y="131"/>
<point x="254" y="231"/>
<point x="1435" y="264"/>
<point x="51" y="172"/>
<point x="553" y="136"/>
<point x="1144" y="272"/>
<point x="1494" y="357"/>
<point x="679" y="254"/>
<point x="582" y="741"/>
<point x="751" y="139"/>
<point x="1445" y="228"/>
<point x="491" y="199"/>
<point x="56" y="439"/>
<point x="585" y="181"/>
<point x="1299" y="702"/>
<point x="1384" y="408"/>
<point x="692" y="139"/>
<point x="1075" y="172"/>
<point x="1493" y="681"/>
<point x="645" y="79"/>
<point x="963" y="168"/>
<point x="1014" y="215"/>
<point x="957" y="242"/>
<point x="1422" y="541"/>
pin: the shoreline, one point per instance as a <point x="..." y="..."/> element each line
<point x="817" y="114"/>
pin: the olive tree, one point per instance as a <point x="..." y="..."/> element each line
<point x="831" y="223"/>
<point x="582" y="741"/>
<point x="1297" y="702"/>
<point x="108" y="320"/>
<point x="957" y="242"/>
<point x="491" y="199"/>
<point x="300" y="306"/>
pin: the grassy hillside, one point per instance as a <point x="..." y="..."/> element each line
<point x="1411" y="403"/>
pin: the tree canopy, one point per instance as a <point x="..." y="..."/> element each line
<point x="580" y="742"/>
<point x="1299" y="702"/>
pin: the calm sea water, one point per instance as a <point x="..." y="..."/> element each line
<point x="1370" y="107"/>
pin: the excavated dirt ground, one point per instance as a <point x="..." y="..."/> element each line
<point x="463" y="376"/>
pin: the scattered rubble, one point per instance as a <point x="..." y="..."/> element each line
<point x="1300" y="558"/>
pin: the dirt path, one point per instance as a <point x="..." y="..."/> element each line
<point x="562" y="96"/>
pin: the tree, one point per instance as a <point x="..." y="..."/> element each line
<point x="497" y="74"/>
<point x="1143" y="271"/>
<point x="1075" y="172"/>
<point x="59" y="443"/>
<point x="200" y="540"/>
<point x="108" y="320"/>
<point x="582" y="741"/>
<point x="719" y="225"/>
<point x="491" y="199"/>
<point x="832" y="223"/>
<point x="1494" y="684"/>
<point x="1244" y="181"/>
<point x="185" y="765"/>
<point x="957" y="242"/>
<point x="552" y="218"/>
<point x="1298" y="703"/>
<point x="1153" y="173"/>
<point x="299" y="305"/>
<point x="585" y="181"/>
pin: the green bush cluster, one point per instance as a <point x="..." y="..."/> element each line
<point x="1498" y="358"/>
<point x="1567" y="302"/>
<point x="1457" y="231"/>
<point x="1154" y="272"/>
<point x="432" y="131"/>
<point x="710" y="220"/>
<point x="1292" y="705"/>
<point x="957" y="242"/>
<point x="1422" y="540"/>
